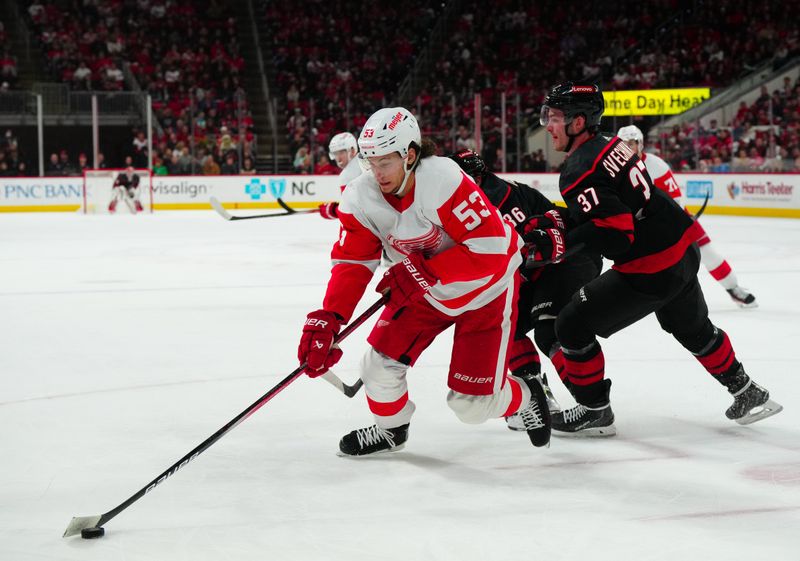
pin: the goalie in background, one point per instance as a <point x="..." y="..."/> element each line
<point x="126" y="188"/>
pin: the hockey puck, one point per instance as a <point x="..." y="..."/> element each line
<point x="93" y="533"/>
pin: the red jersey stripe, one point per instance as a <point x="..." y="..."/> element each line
<point x="622" y="222"/>
<point x="661" y="260"/>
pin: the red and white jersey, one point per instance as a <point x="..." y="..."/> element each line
<point x="662" y="176"/>
<point x="470" y="249"/>
<point x="349" y="173"/>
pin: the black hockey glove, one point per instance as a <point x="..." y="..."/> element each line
<point x="544" y="247"/>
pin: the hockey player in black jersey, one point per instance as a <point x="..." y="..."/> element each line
<point x="615" y="210"/>
<point x="126" y="188"/>
<point x="544" y="290"/>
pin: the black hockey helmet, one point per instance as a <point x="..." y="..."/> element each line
<point x="470" y="162"/>
<point x="573" y="100"/>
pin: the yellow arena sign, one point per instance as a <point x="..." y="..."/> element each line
<point x="653" y="102"/>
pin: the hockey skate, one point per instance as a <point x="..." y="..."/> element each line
<point x="582" y="421"/>
<point x="742" y="297"/>
<point x="373" y="440"/>
<point x="515" y="423"/>
<point x="751" y="402"/>
<point x="535" y="417"/>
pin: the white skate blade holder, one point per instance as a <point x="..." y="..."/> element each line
<point x="768" y="409"/>
<point x="594" y="432"/>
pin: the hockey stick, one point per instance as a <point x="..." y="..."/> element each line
<point x="217" y="206"/>
<point x="93" y="524"/>
<point x="337" y="383"/>
<point x="284" y="206"/>
<point x="532" y="264"/>
<point x="702" y="208"/>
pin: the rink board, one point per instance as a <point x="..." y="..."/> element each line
<point x="733" y="194"/>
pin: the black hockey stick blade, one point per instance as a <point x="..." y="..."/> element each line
<point x="217" y="206"/>
<point x="703" y="208"/>
<point x="79" y="523"/>
<point x="337" y="383"/>
<point x="350" y="391"/>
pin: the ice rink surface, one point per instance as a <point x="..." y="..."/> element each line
<point x="126" y="341"/>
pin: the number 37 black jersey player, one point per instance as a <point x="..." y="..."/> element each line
<point x="615" y="210"/>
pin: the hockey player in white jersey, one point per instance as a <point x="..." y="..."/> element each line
<point x="455" y="263"/>
<point x="662" y="177"/>
<point x="342" y="149"/>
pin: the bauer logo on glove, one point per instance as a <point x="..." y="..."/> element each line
<point x="545" y="246"/>
<point x="407" y="281"/>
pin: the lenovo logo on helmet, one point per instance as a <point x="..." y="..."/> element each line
<point x="395" y="120"/>
<point x="583" y="89"/>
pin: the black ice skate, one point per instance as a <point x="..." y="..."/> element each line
<point x="373" y="440"/>
<point x="751" y="402"/>
<point x="582" y="421"/>
<point x="742" y="297"/>
<point x="515" y="423"/>
<point x="535" y="417"/>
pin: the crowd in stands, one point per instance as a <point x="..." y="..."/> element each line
<point x="184" y="53"/>
<point x="763" y="137"/>
<point x="8" y="62"/>
<point x="337" y="62"/>
<point x="333" y="64"/>
<point x="322" y="54"/>
<point x="12" y="160"/>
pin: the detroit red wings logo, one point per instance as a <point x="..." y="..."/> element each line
<point x="426" y="244"/>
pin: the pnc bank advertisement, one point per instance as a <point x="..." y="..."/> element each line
<point x="744" y="194"/>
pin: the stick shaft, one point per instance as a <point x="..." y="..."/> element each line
<point x="229" y="426"/>
<point x="217" y="206"/>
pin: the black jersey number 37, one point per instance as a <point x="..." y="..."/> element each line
<point x="588" y="198"/>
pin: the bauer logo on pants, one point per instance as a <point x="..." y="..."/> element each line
<point x="473" y="379"/>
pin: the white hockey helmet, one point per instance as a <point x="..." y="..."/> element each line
<point x="388" y="130"/>
<point x="631" y="132"/>
<point x="341" y="141"/>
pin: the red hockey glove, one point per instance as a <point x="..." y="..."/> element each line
<point x="550" y="219"/>
<point x="316" y="345"/>
<point x="407" y="281"/>
<point x="329" y="211"/>
<point x="544" y="246"/>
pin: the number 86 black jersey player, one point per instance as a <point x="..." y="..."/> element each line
<point x="615" y="210"/>
<point x="544" y="290"/>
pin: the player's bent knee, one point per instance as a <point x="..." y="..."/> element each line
<point x="696" y="339"/>
<point x="571" y="330"/>
<point x="380" y="371"/>
<point x="545" y="335"/>
<point x="472" y="409"/>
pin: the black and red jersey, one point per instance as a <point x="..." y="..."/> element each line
<point x="617" y="210"/>
<point x="123" y="180"/>
<point x="516" y="202"/>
